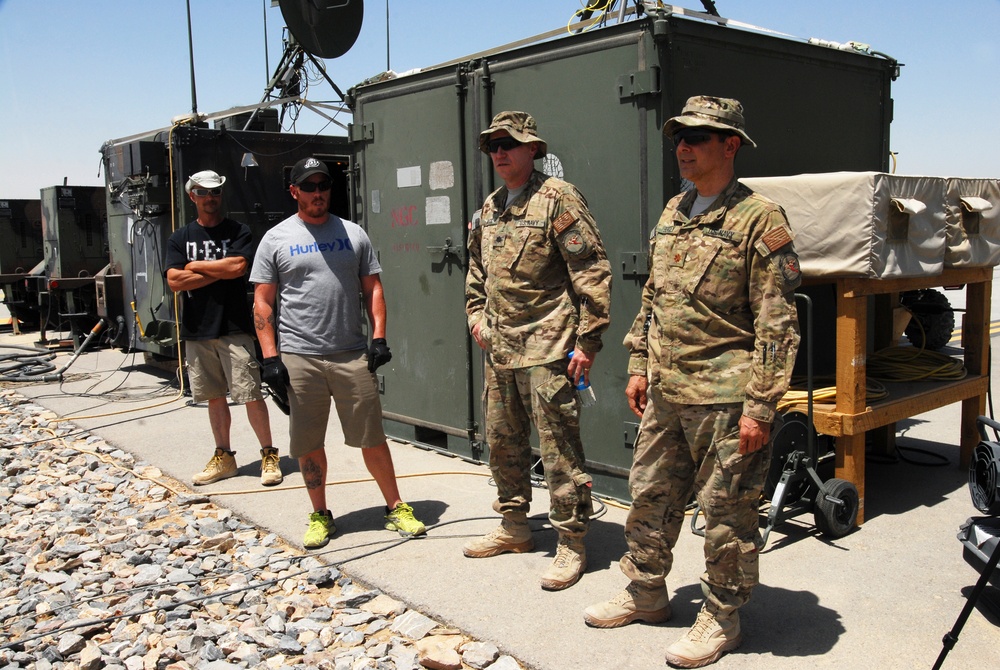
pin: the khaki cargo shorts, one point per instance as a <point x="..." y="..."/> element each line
<point x="227" y="365"/>
<point x="344" y="377"/>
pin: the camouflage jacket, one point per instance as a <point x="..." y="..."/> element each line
<point x="718" y="322"/>
<point x="539" y="281"/>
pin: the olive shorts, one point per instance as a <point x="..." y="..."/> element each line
<point x="343" y="376"/>
<point x="223" y="365"/>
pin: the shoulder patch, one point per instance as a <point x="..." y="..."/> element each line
<point x="575" y="243"/>
<point x="777" y="238"/>
<point x="563" y="222"/>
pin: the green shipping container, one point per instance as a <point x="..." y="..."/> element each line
<point x="600" y="99"/>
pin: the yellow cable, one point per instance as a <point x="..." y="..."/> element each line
<point x="177" y="325"/>
<point x="601" y="11"/>
<point x="123" y="411"/>
<point x="110" y="461"/>
<point x="362" y="480"/>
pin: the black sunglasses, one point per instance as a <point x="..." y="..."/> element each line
<point x="693" y="137"/>
<point x="505" y="143"/>
<point x="202" y="192"/>
<point x="310" y="186"/>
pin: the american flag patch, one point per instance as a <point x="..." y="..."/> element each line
<point x="563" y="222"/>
<point x="776" y="238"/>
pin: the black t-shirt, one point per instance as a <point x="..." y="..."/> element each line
<point x="222" y="307"/>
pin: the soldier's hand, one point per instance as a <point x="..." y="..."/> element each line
<point x="579" y="366"/>
<point x="753" y="434"/>
<point x="475" y="335"/>
<point x="636" y="394"/>
<point x="378" y="354"/>
<point x="274" y="373"/>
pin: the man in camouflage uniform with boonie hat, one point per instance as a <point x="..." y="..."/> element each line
<point x="712" y="351"/>
<point x="538" y="288"/>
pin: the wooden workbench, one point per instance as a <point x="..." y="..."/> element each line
<point x="852" y="417"/>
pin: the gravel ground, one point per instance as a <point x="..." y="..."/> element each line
<point x="107" y="563"/>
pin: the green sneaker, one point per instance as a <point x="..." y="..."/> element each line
<point x="401" y="520"/>
<point x="321" y="528"/>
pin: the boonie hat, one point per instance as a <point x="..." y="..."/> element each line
<point x="706" y="111"/>
<point x="204" y="179"/>
<point x="520" y="125"/>
<point x="306" y="168"/>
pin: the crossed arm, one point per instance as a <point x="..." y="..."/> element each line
<point x="197" y="274"/>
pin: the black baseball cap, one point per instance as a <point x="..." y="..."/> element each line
<point x="307" y="167"/>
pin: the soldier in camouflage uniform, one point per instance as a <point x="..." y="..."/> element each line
<point x="712" y="350"/>
<point x="538" y="288"/>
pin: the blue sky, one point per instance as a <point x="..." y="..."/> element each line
<point x="75" y="73"/>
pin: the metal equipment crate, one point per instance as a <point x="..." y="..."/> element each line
<point x="600" y="99"/>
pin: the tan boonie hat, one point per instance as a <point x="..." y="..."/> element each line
<point x="204" y="179"/>
<point x="706" y="111"/>
<point x="521" y="127"/>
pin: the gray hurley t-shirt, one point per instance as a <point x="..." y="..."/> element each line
<point x="318" y="269"/>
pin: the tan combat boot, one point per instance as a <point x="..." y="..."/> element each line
<point x="568" y="565"/>
<point x="712" y="635"/>
<point x="512" y="535"/>
<point x="635" y="603"/>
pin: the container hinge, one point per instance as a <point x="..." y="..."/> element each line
<point x="361" y="132"/>
<point x="634" y="263"/>
<point x="639" y="83"/>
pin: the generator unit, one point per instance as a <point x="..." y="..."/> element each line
<point x="146" y="202"/>
<point x="74" y="235"/>
<point x="600" y="98"/>
<point x="21" y="228"/>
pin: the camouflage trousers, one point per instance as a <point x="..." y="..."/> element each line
<point x="542" y="395"/>
<point x="686" y="450"/>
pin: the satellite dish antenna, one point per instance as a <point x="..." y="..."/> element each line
<point x="324" y="28"/>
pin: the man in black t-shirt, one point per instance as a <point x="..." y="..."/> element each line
<point x="206" y="263"/>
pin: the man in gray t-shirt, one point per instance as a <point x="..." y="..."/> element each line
<point x="313" y="271"/>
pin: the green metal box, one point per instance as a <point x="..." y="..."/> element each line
<point x="600" y="99"/>
<point x="21" y="230"/>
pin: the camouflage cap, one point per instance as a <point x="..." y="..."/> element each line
<point x="520" y="125"/>
<point x="706" y="111"/>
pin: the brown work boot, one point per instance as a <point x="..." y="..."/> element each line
<point x="512" y="535"/>
<point x="568" y="565"/>
<point x="270" y="467"/>
<point x="712" y="635"/>
<point x="221" y="466"/>
<point x="635" y="603"/>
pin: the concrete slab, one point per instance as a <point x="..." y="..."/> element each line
<point x="881" y="597"/>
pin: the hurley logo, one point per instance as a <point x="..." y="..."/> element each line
<point x="338" y="244"/>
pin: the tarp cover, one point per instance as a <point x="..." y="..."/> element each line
<point x="973" y="218"/>
<point x="862" y="224"/>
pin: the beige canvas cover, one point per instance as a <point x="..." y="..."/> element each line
<point x="862" y="224"/>
<point x="973" y="222"/>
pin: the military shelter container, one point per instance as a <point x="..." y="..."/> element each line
<point x="600" y="99"/>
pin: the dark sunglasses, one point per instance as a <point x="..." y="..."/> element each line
<point x="310" y="186"/>
<point x="693" y="137"/>
<point x="505" y="143"/>
<point x="202" y="192"/>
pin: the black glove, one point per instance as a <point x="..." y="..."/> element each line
<point x="274" y="373"/>
<point x="378" y="354"/>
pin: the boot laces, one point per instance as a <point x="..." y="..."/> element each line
<point x="564" y="556"/>
<point x="269" y="461"/>
<point x="703" y="626"/>
<point x="626" y="596"/>
<point x="214" y="463"/>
